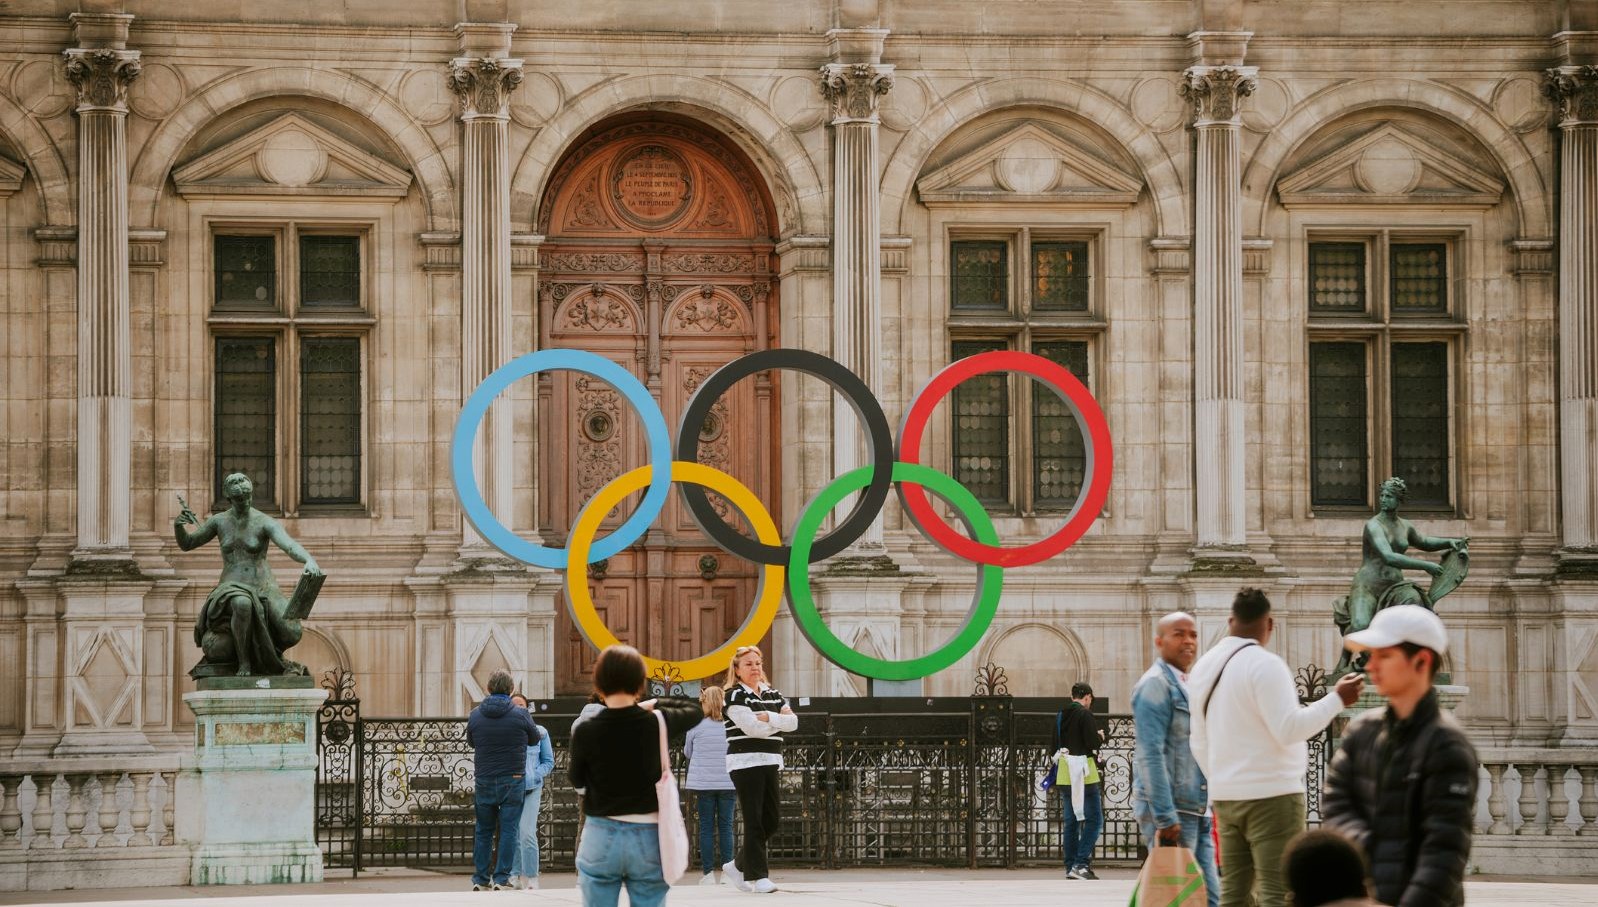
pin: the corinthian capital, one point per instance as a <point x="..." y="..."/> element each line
<point x="855" y="89"/>
<point x="1574" y="91"/>
<point x="102" y="77"/>
<point x="1217" y="92"/>
<point x="484" y="85"/>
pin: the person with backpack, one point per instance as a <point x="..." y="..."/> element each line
<point x="716" y="799"/>
<point x="1248" y="735"/>
<point x="1076" y="753"/>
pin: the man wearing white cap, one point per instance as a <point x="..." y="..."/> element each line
<point x="1403" y="783"/>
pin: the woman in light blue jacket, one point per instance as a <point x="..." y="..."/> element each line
<point x="706" y="749"/>
<point x="540" y="762"/>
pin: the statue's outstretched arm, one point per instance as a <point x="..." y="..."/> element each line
<point x="1393" y="558"/>
<point x="187" y="540"/>
<point x="1428" y="543"/>
<point x="293" y="549"/>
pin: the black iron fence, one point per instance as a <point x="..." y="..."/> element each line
<point x="868" y="782"/>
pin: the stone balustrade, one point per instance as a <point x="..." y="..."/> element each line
<point x="1530" y="803"/>
<point x="90" y="822"/>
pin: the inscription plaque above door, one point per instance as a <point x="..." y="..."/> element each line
<point x="651" y="186"/>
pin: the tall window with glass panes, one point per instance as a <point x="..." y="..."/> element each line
<point x="289" y="318"/>
<point x="1021" y="290"/>
<point x="1384" y="329"/>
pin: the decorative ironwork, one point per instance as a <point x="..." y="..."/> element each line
<point x="867" y="782"/>
<point x="1311" y="683"/>
<point x="991" y="681"/>
<point x="667" y="681"/>
<point x="339" y="684"/>
<point x="338" y="781"/>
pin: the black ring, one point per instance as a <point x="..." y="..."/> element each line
<point x="866" y="408"/>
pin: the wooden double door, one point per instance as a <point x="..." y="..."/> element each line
<point x="659" y="257"/>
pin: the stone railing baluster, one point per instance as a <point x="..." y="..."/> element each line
<point x="1530" y="814"/>
<point x="139" y="812"/>
<point x="43" y="811"/>
<point x="77" y="811"/>
<point x="169" y="799"/>
<point x="110" y="810"/>
<point x="1588" y="799"/>
<point x="1558" y="800"/>
<point x="1497" y="801"/>
<point x="10" y="815"/>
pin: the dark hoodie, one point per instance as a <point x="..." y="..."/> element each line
<point x="499" y="733"/>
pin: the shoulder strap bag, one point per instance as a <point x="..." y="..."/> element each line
<point x="673" y="831"/>
<point x="1217" y="684"/>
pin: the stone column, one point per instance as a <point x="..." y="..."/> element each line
<point x="483" y="78"/>
<point x="1574" y="91"/>
<point x="1215" y="92"/>
<point x="854" y="85"/>
<point x="102" y="68"/>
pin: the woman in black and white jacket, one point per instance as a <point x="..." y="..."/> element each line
<point x="756" y="716"/>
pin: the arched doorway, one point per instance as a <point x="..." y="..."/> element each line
<point x="658" y="254"/>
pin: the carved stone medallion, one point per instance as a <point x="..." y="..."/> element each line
<point x="652" y="186"/>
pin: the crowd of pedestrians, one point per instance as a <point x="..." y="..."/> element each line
<point x="1218" y="769"/>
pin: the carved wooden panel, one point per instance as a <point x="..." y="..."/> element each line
<point x="658" y="257"/>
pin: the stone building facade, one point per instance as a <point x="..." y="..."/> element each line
<point x="1292" y="248"/>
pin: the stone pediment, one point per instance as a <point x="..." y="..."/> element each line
<point x="290" y="156"/>
<point x="1390" y="166"/>
<point x="1029" y="165"/>
<point x="11" y="175"/>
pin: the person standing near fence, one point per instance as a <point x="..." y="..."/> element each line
<point x="499" y="734"/>
<point x="757" y="716"/>
<point x="706" y="749"/>
<point x="540" y="762"/>
<point x="1170" y="797"/>
<point x="1403" y="783"/>
<point x="1249" y="734"/>
<point x="1076" y="742"/>
<point x="614" y="763"/>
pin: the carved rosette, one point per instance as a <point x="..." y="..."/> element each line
<point x="484" y="86"/>
<point x="102" y="77"/>
<point x="1574" y="92"/>
<point x="599" y="445"/>
<point x="855" y="90"/>
<point x="1217" y="92"/>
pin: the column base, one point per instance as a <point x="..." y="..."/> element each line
<point x="103" y="743"/>
<point x="256" y="864"/>
<point x="1217" y="561"/>
<point x="117" y="564"/>
<point x="1577" y="564"/>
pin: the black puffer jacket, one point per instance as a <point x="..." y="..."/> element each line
<point x="1404" y="791"/>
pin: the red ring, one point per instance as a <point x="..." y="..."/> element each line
<point x="1057" y="377"/>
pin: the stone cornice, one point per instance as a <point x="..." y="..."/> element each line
<point x="1574" y="93"/>
<point x="483" y="85"/>
<point x="102" y="77"/>
<point x="1217" y="92"/>
<point x="855" y="90"/>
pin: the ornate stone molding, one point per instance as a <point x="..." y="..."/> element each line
<point x="484" y="85"/>
<point x="1574" y="92"/>
<point x="1217" y="92"/>
<point x="102" y="77"/>
<point x="855" y="90"/>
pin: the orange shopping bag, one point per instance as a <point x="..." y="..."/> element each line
<point x="1170" y="878"/>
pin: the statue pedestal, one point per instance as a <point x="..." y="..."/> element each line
<point x="249" y="791"/>
<point x="1449" y="696"/>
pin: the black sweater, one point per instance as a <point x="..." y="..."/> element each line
<point x="615" y="756"/>
<point x="1076" y="730"/>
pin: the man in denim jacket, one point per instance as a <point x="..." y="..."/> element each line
<point x="1170" y="798"/>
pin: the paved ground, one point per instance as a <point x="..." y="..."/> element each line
<point x="846" y="888"/>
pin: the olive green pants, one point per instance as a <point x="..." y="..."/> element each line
<point x="1253" y="835"/>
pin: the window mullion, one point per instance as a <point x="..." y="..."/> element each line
<point x="1023" y="273"/>
<point x="1021" y="422"/>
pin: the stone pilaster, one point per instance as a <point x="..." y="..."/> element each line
<point x="854" y="85"/>
<point x="1574" y="91"/>
<point x="1219" y="434"/>
<point x="483" y="79"/>
<point x="102" y="72"/>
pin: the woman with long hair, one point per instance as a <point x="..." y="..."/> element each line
<point x="615" y="762"/>
<point x="706" y="749"/>
<point x="757" y="716"/>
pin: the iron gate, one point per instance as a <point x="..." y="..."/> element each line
<point x="948" y="781"/>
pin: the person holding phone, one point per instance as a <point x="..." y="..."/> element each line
<point x="757" y="716"/>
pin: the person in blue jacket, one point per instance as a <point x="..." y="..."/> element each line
<point x="540" y="762"/>
<point x="499" y="735"/>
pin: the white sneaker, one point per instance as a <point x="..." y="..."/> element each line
<point x="763" y="886"/>
<point x="709" y="879"/>
<point x="530" y="883"/>
<point x="730" y="873"/>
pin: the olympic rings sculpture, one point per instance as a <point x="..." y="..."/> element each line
<point x="785" y="567"/>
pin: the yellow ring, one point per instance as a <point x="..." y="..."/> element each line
<point x="586" y="616"/>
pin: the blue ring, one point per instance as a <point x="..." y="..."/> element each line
<point x="471" y="497"/>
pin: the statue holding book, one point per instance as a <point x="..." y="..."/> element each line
<point x="246" y="623"/>
<point x="1380" y="582"/>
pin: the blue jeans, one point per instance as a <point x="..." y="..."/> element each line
<point x="525" y="864"/>
<point x="1081" y="835"/>
<point x="499" y="809"/>
<point x="715" y="827"/>
<point x="1195" y="837"/>
<point x="612" y="854"/>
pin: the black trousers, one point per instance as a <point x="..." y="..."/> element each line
<point x="757" y="798"/>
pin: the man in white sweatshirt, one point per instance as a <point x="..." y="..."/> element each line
<point x="1248" y="738"/>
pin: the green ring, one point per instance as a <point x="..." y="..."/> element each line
<point x="984" y="605"/>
